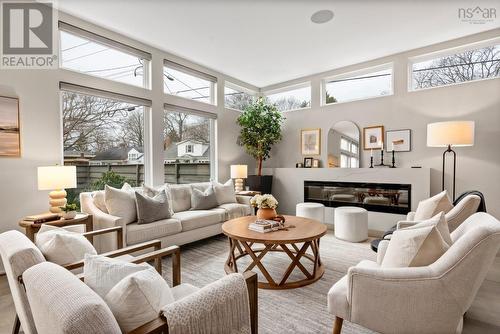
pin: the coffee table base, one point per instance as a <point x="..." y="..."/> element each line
<point x="239" y="249"/>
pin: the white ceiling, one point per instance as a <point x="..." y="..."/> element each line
<point x="266" y="42"/>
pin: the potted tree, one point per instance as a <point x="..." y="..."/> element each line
<point x="260" y="129"/>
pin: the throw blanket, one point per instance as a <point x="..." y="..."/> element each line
<point x="219" y="308"/>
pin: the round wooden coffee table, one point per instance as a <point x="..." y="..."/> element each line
<point x="304" y="231"/>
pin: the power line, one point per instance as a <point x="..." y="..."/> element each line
<point x="455" y="65"/>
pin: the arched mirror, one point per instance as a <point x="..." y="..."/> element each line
<point x="343" y="145"/>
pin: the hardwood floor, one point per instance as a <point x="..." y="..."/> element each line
<point x="482" y="318"/>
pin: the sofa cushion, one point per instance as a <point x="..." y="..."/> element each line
<point x="121" y="203"/>
<point x="153" y="191"/>
<point x="235" y="210"/>
<point x="99" y="200"/>
<point x="432" y="206"/>
<point x="145" y="232"/>
<point x="151" y="209"/>
<point x="191" y="220"/>
<point x="203" y="200"/>
<point x="441" y="224"/>
<point x="181" y="197"/>
<point x="224" y="192"/>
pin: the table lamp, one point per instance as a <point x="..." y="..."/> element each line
<point x="56" y="179"/>
<point x="238" y="173"/>
<point x="450" y="134"/>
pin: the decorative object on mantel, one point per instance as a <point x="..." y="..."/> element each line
<point x="310" y="141"/>
<point x="393" y="159"/>
<point x="381" y="164"/>
<point x="373" y="137"/>
<point x="266" y="205"/>
<point x="448" y="134"/>
<point x="56" y="179"/>
<point x="299" y="165"/>
<point x="10" y="137"/>
<point x="343" y="145"/>
<point x="308" y="162"/>
<point x="260" y="129"/>
<point x="315" y="163"/>
<point x="238" y="173"/>
<point x="398" y="140"/>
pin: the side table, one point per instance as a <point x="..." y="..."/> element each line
<point x="81" y="218"/>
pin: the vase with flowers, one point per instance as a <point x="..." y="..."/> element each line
<point x="266" y="205"/>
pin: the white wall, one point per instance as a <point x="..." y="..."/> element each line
<point x="41" y="125"/>
<point x="478" y="166"/>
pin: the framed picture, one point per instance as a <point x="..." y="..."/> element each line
<point x="373" y="137"/>
<point x="10" y="138"/>
<point x="310" y="141"/>
<point x="299" y="165"/>
<point x="315" y="163"/>
<point x="399" y="140"/>
<point x="308" y="162"/>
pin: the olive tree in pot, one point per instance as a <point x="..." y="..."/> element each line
<point x="260" y="129"/>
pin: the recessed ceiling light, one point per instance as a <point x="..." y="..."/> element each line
<point x="322" y="16"/>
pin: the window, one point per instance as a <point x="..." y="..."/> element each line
<point x="349" y="153"/>
<point x="236" y="97"/>
<point x="104" y="138"/>
<point x="185" y="82"/>
<point x="360" y="85"/>
<point x="188" y="145"/>
<point x="291" y="98"/>
<point x="468" y="65"/>
<point x="92" y="54"/>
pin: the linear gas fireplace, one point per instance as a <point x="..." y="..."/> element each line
<point x="380" y="197"/>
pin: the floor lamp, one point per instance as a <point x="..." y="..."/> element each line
<point x="450" y="134"/>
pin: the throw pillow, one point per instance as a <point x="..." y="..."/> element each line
<point x="432" y="206"/>
<point x="103" y="273"/>
<point x="121" y="202"/>
<point x="224" y="192"/>
<point x="99" y="201"/>
<point x="63" y="245"/>
<point x="414" y="247"/>
<point x="152" y="192"/>
<point x="441" y="224"/>
<point x="203" y="200"/>
<point x="151" y="209"/>
<point x="138" y="298"/>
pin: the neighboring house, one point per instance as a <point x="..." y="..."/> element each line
<point x="72" y="157"/>
<point x="119" y="156"/>
<point x="187" y="151"/>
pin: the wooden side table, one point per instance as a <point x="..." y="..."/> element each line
<point x="81" y="218"/>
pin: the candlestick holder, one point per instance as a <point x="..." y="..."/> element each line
<point x="393" y="160"/>
<point x="371" y="161"/>
<point x="381" y="164"/>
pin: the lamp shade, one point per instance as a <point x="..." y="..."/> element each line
<point x="239" y="171"/>
<point x="455" y="133"/>
<point x="56" y="177"/>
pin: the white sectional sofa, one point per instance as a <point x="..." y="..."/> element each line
<point x="185" y="226"/>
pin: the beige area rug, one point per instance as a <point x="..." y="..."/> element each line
<point x="301" y="310"/>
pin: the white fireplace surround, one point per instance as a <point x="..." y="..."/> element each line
<point x="288" y="188"/>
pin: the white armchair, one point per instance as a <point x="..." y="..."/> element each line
<point x="430" y="299"/>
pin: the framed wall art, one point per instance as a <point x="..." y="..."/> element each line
<point x="10" y="136"/>
<point x="310" y="141"/>
<point x="399" y="140"/>
<point x="373" y="137"/>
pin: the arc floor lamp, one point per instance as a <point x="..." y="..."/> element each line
<point x="449" y="135"/>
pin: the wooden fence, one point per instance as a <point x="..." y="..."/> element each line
<point x="174" y="173"/>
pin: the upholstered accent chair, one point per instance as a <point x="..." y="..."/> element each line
<point x="430" y="299"/>
<point x="18" y="253"/>
<point x="465" y="205"/>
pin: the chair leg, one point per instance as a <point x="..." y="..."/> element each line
<point x="337" y="325"/>
<point x="17" y="325"/>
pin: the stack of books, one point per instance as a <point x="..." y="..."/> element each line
<point x="42" y="218"/>
<point x="264" y="226"/>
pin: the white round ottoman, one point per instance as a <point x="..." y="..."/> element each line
<point x="311" y="210"/>
<point x="351" y="223"/>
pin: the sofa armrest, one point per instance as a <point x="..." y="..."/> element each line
<point x="243" y="199"/>
<point x="102" y="220"/>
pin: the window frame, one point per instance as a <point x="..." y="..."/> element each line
<point x="112" y="44"/>
<point x="356" y="73"/>
<point x="306" y="84"/>
<point x="443" y="53"/>
<point x="242" y="89"/>
<point x="195" y="73"/>
<point x="349" y="153"/>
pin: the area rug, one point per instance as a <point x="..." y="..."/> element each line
<point x="301" y="310"/>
